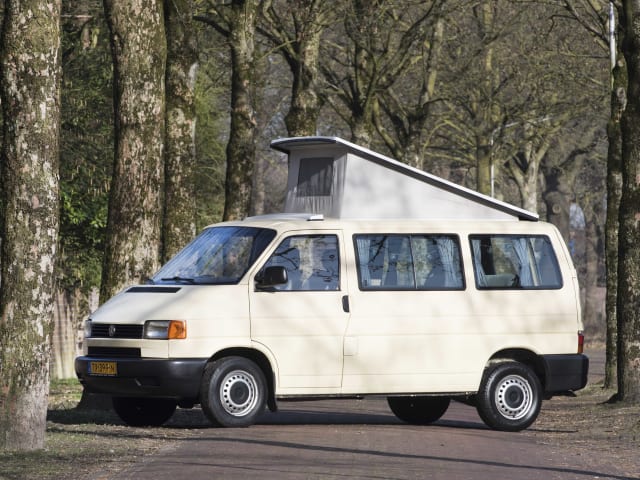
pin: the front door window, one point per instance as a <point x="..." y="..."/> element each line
<point x="312" y="262"/>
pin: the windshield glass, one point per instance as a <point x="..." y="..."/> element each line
<point x="219" y="255"/>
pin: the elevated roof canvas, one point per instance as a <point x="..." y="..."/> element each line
<point x="458" y="196"/>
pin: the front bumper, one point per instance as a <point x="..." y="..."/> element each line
<point x="565" y="372"/>
<point x="144" y="377"/>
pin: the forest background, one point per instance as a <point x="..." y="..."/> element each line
<point x="511" y="98"/>
<point x="443" y="86"/>
<point x="519" y="82"/>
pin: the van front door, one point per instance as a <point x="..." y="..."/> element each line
<point x="303" y="322"/>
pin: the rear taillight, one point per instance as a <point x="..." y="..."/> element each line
<point x="580" y="342"/>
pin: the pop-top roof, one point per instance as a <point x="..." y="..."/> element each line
<point x="298" y="146"/>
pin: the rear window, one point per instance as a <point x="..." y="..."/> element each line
<point x="409" y="262"/>
<point x="514" y="262"/>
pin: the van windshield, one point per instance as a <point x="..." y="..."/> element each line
<point x="219" y="255"/>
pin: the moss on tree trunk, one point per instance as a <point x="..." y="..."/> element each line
<point x="30" y="66"/>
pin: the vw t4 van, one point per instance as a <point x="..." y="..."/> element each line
<point x="459" y="297"/>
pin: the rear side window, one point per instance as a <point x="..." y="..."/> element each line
<point x="408" y="262"/>
<point x="514" y="262"/>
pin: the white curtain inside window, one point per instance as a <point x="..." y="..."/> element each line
<point x="481" y="278"/>
<point x="363" y="244"/>
<point x="524" y="269"/>
<point x="449" y="256"/>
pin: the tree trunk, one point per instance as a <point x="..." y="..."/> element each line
<point x="629" y="254"/>
<point x="180" y="205"/>
<point x="614" y="192"/>
<point x="138" y="45"/>
<point x="241" y="149"/>
<point x="484" y="177"/>
<point x="302" y="117"/>
<point x="591" y="315"/>
<point x="556" y="201"/>
<point x="30" y="82"/>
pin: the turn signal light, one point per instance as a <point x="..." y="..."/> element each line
<point x="177" y="330"/>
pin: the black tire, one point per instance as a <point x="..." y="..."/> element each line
<point x="233" y="392"/>
<point x="510" y="397"/>
<point x="419" y="410"/>
<point x="144" y="412"/>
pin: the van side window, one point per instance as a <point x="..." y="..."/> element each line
<point x="409" y="262"/>
<point x="514" y="262"/>
<point x="312" y="262"/>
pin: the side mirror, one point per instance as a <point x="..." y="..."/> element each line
<point x="271" y="277"/>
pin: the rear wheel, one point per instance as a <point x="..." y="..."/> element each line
<point x="419" y="410"/>
<point x="510" y="397"/>
<point x="144" y="412"/>
<point x="233" y="392"/>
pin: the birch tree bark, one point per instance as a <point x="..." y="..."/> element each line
<point x="30" y="81"/>
<point x="139" y="49"/>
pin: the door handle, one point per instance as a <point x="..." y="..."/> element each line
<point x="345" y="303"/>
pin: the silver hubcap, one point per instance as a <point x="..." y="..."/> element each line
<point x="239" y="393"/>
<point x="514" y="397"/>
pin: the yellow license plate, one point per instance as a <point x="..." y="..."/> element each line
<point x="103" y="368"/>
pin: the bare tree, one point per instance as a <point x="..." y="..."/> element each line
<point x="375" y="44"/>
<point x="30" y="83"/>
<point x="138" y="45"/>
<point x="408" y="109"/>
<point x="295" y="28"/>
<point x="594" y="16"/>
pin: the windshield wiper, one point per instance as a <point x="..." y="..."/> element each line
<point x="179" y="279"/>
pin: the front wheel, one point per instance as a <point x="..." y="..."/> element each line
<point x="233" y="392"/>
<point x="144" y="412"/>
<point x="510" y="397"/>
<point x="419" y="410"/>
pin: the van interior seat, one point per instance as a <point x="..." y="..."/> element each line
<point x="501" y="280"/>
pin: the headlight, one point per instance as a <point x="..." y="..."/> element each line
<point x="87" y="328"/>
<point x="165" y="329"/>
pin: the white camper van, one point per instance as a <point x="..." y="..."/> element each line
<point x="455" y="296"/>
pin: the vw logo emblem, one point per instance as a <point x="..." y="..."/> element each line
<point x="112" y="330"/>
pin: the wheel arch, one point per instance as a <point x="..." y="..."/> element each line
<point x="521" y="355"/>
<point x="261" y="360"/>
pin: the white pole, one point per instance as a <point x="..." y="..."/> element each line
<point x="612" y="35"/>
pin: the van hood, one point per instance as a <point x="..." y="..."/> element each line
<point x="137" y="304"/>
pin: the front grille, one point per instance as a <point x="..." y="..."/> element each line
<point x="115" y="330"/>
<point x="113" y="352"/>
